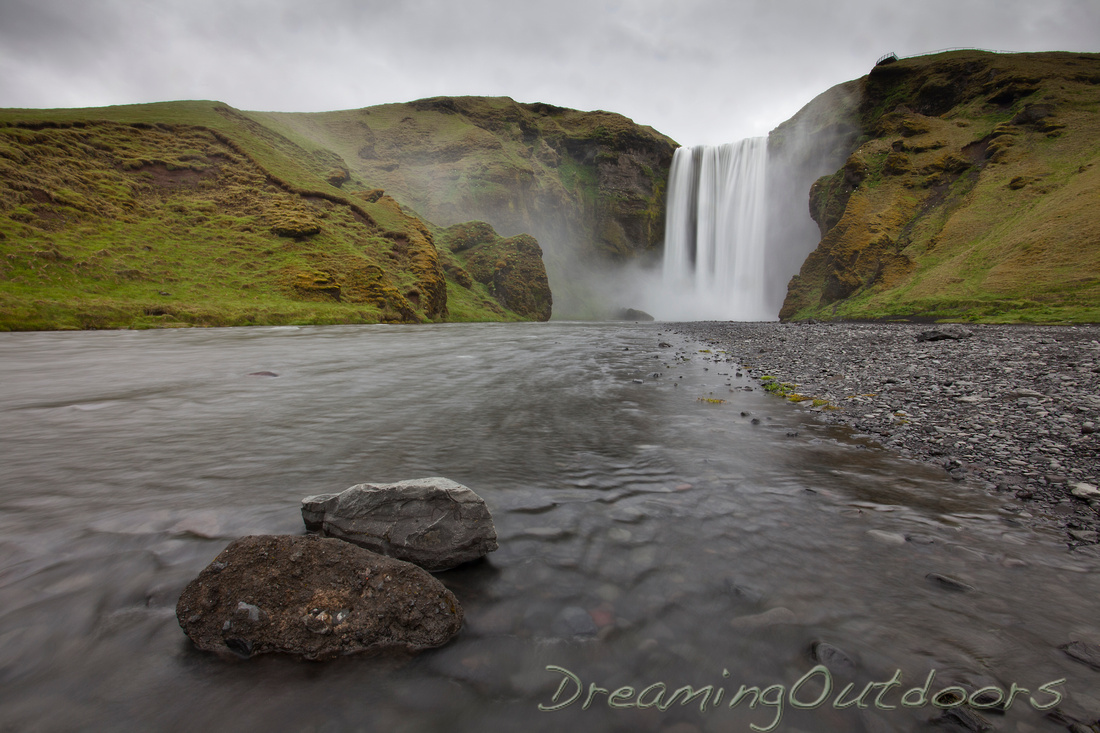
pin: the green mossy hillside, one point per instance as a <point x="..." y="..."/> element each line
<point x="196" y="214"/>
<point x="590" y="186"/>
<point x="510" y="268"/>
<point x="970" y="194"/>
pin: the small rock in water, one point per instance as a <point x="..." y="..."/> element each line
<point x="574" y="621"/>
<point x="1085" y="535"/>
<point x="771" y="617"/>
<point x="316" y="598"/>
<point x="832" y="657"/>
<point x="263" y="374"/>
<point x="1086" y="491"/>
<point x="889" y="538"/>
<point x="545" y="533"/>
<point x="965" y="719"/>
<point x="435" y="523"/>
<point x="1083" y="652"/>
<point x="949" y="583"/>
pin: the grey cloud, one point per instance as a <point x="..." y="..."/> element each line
<point x="697" y="70"/>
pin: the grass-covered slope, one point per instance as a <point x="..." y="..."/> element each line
<point x="589" y="186"/>
<point x="972" y="195"/>
<point x="193" y="213"/>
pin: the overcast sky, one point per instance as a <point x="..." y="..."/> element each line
<point x="700" y="71"/>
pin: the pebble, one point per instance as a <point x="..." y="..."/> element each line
<point x="1085" y="491"/>
<point x="574" y="621"/>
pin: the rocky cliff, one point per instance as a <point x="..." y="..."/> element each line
<point x="589" y="186"/>
<point x="969" y="191"/>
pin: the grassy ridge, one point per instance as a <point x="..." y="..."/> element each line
<point x="588" y="185"/>
<point x="192" y="213"/>
<point x="972" y="195"/>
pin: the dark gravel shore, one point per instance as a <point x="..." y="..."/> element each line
<point x="1013" y="408"/>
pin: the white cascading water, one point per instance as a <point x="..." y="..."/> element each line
<point x="714" y="262"/>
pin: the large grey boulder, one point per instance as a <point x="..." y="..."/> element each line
<point x="316" y="598"/>
<point x="435" y="523"/>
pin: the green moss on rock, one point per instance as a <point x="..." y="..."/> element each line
<point x="964" y="196"/>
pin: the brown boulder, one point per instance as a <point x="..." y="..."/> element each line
<point x="314" y="597"/>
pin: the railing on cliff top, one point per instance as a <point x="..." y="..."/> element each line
<point x="889" y="58"/>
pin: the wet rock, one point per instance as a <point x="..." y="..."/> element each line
<point x="1083" y="652"/>
<point x="316" y="598"/>
<point x="944" y="333"/>
<point x="435" y="523"/>
<point x="832" y="657"/>
<point x="965" y="719"/>
<point x="946" y="581"/>
<point x="1085" y="491"/>
<point x="574" y="621"/>
<point x="771" y="617"/>
<point x="889" y="538"/>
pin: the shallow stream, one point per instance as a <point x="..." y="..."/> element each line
<point x="649" y="539"/>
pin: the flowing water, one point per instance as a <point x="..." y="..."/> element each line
<point x="649" y="538"/>
<point x="714" y="263"/>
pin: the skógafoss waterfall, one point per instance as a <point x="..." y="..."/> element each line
<point x="715" y="232"/>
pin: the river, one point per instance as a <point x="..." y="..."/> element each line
<point x="659" y="526"/>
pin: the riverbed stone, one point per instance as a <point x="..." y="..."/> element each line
<point x="316" y="598"/>
<point x="944" y="333"/>
<point x="435" y="523"/>
<point x="1085" y="491"/>
<point x="1083" y="652"/>
<point x="946" y="581"/>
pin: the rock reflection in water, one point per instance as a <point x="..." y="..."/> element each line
<point x="645" y="536"/>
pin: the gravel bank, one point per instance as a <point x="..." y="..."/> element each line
<point x="1012" y="408"/>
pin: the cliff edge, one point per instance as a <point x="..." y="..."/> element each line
<point x="969" y="193"/>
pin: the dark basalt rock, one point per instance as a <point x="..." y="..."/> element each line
<point x="1083" y="652"/>
<point x="316" y="598"/>
<point x="944" y="333"/>
<point x="435" y="523"/>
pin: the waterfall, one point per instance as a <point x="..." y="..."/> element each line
<point x="714" y="262"/>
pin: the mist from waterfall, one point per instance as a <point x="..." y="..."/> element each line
<point x="715" y="234"/>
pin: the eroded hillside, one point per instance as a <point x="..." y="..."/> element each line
<point x="971" y="194"/>
<point x="196" y="214"/>
<point x="589" y="186"/>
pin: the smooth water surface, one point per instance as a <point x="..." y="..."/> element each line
<point x="647" y="536"/>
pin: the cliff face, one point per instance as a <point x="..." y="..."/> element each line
<point x="589" y="186"/>
<point x="197" y="214"/>
<point x="969" y="193"/>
